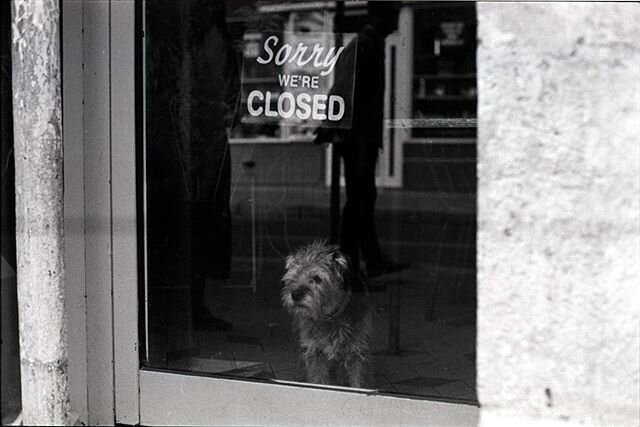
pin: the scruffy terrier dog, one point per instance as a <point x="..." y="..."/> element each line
<point x="332" y="323"/>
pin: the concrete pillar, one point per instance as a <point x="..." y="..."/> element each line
<point x="39" y="215"/>
<point x="559" y="209"/>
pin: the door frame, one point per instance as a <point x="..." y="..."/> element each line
<point x="102" y="149"/>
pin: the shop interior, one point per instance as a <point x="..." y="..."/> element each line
<point x="283" y="192"/>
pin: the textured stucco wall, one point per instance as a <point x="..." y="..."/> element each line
<point x="559" y="209"/>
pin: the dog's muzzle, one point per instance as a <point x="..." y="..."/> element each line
<point x="298" y="294"/>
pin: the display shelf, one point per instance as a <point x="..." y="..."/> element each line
<point x="432" y="123"/>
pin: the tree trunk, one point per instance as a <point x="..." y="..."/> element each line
<point x="37" y="110"/>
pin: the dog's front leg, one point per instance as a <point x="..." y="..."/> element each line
<point x="317" y="366"/>
<point x="355" y="372"/>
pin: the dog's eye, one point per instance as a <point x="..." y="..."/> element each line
<point x="315" y="278"/>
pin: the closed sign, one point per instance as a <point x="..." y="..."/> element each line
<point x="288" y="78"/>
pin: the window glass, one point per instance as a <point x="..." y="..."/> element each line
<point x="309" y="205"/>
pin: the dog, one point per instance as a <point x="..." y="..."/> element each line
<point x="333" y="324"/>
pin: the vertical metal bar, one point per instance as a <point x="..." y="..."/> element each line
<point x="436" y="284"/>
<point x="392" y="111"/>
<point x="124" y="240"/>
<point x="254" y="266"/>
<point x="141" y="170"/>
<point x="335" y="194"/>
<point x="394" y="317"/>
<point x="334" y="207"/>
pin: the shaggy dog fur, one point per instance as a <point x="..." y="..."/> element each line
<point x="333" y="324"/>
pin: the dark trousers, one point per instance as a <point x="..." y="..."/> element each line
<point x="358" y="230"/>
<point x="189" y="235"/>
<point x="210" y="241"/>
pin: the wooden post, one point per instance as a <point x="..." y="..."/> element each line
<point x="37" y="110"/>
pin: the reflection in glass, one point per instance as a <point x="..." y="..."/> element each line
<point x="229" y="195"/>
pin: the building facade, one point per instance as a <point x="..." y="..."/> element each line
<point x="507" y="185"/>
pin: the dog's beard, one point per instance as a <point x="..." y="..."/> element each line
<point x="317" y="308"/>
<point x="301" y="310"/>
<point x="308" y="307"/>
<point x="295" y="307"/>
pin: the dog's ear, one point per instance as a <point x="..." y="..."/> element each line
<point x="344" y="268"/>
<point x="288" y="262"/>
<point x="341" y="261"/>
<point x="351" y="277"/>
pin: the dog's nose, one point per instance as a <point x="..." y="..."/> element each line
<point x="297" y="295"/>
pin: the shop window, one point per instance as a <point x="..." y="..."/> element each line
<point x="230" y="192"/>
